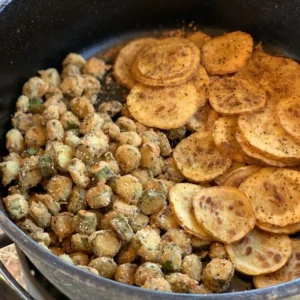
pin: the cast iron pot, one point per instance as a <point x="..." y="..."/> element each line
<point x="38" y="34"/>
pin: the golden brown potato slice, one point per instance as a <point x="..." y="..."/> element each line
<point x="201" y="82"/>
<point x="238" y="176"/>
<point x="203" y="120"/>
<point x="213" y="116"/>
<point x="171" y="61"/>
<point x="125" y="60"/>
<point x="233" y="96"/>
<point x="198" y="121"/>
<point x="260" y="252"/>
<point x="274" y="194"/>
<point x="181" y="202"/>
<point x="164" y="108"/>
<point x="288" y="229"/>
<point x="252" y="155"/>
<point x="288" y="113"/>
<point x="290" y="271"/>
<point x="199" y="159"/>
<point x="279" y="76"/>
<point x="264" y="133"/>
<point x="224" y="212"/>
<point x="224" y="136"/>
<point x="235" y="165"/>
<point x="199" y="38"/>
<point x="227" y="53"/>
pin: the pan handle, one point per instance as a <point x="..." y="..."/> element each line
<point x="12" y="283"/>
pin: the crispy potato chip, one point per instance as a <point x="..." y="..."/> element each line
<point x="290" y="271"/>
<point x="198" y="121"/>
<point x="224" y="136"/>
<point x="203" y="120"/>
<point x="264" y="133"/>
<point x="235" y="165"/>
<point x="171" y="61"/>
<point x="288" y="229"/>
<point x="164" y="108"/>
<point x="254" y="157"/>
<point x="125" y="60"/>
<point x="227" y="53"/>
<point x="288" y="113"/>
<point x="213" y="116"/>
<point x="260" y="252"/>
<point x="201" y="82"/>
<point x="238" y="176"/>
<point x="181" y="202"/>
<point x="233" y="96"/>
<point x="199" y="38"/>
<point x="274" y="194"/>
<point x="224" y="212"/>
<point x="199" y="159"/>
<point x="278" y="76"/>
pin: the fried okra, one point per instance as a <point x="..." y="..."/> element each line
<point x="85" y="222"/>
<point x="105" y="243"/>
<point x="217" y="275"/>
<point x="192" y="266"/>
<point x="111" y="108"/>
<point x="128" y="158"/>
<point x="17" y="206"/>
<point x="80" y="258"/>
<point x="15" y="141"/>
<point x="40" y="214"/>
<point x="99" y="196"/>
<point x="147" y="271"/>
<point x="59" y="188"/>
<point x="147" y="242"/>
<point x="171" y="257"/>
<point x="139" y="222"/>
<point x="121" y="226"/>
<point x="125" y="273"/>
<point x="105" y="266"/>
<point x="62" y="224"/>
<point x="180" y="283"/>
<point x="129" y="188"/>
<point x="80" y="242"/>
<point x="157" y="284"/>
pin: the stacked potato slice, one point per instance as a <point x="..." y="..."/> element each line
<point x="242" y="110"/>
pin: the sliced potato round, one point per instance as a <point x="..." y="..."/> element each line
<point x="125" y="60"/>
<point x="199" y="38"/>
<point x="224" y="212"/>
<point x="203" y="119"/>
<point x="227" y="53"/>
<point x="170" y="61"/>
<point x="224" y="136"/>
<point x="260" y="252"/>
<point x="233" y="96"/>
<point x="238" y="176"/>
<point x="274" y="194"/>
<point x="235" y="165"/>
<point x="288" y="113"/>
<point x="201" y="82"/>
<point x="278" y="76"/>
<point x="254" y="157"/>
<point x="288" y="229"/>
<point x="199" y="159"/>
<point x="181" y="202"/>
<point x="164" y="108"/>
<point x="290" y="271"/>
<point x="262" y="131"/>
